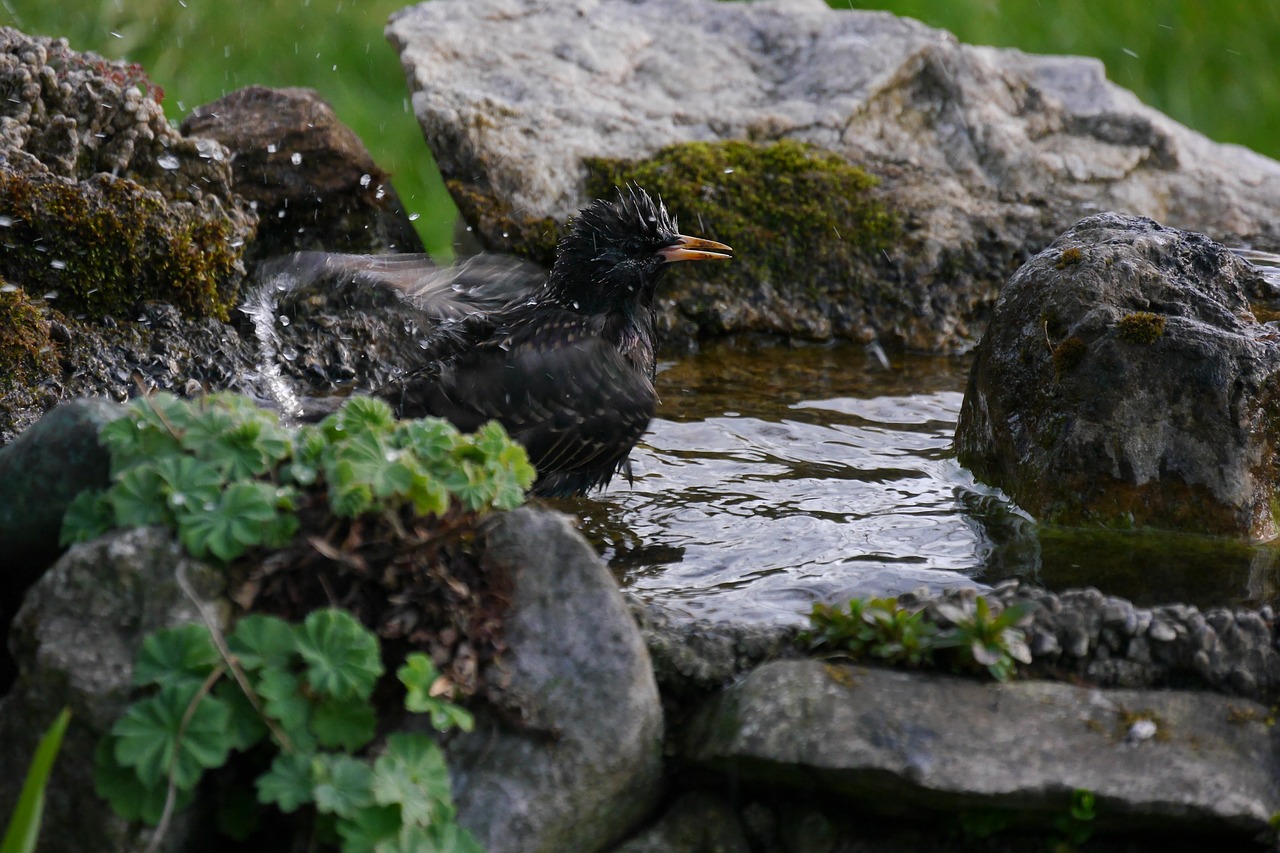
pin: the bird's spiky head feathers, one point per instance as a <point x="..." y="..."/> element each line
<point x="610" y="257"/>
<point x="635" y="218"/>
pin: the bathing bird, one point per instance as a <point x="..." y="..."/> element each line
<point x="565" y="361"/>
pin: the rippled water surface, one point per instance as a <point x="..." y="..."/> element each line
<point x="779" y="476"/>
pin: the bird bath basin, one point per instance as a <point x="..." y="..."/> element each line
<point x="774" y="477"/>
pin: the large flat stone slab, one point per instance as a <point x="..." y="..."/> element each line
<point x="900" y="742"/>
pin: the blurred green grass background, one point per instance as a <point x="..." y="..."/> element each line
<point x="1212" y="66"/>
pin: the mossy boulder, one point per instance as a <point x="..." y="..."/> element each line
<point x="103" y="204"/>
<point x="982" y="155"/>
<point x="1132" y="386"/>
<point x="807" y="226"/>
<point x="120" y="238"/>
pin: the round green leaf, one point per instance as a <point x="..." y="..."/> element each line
<point x="342" y="655"/>
<point x="150" y="737"/>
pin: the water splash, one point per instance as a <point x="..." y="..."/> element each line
<point x="261" y="308"/>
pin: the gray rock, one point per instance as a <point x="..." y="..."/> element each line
<point x="1172" y="645"/>
<point x="314" y="184"/>
<point x="694" y="656"/>
<point x="40" y="474"/>
<point x="899" y="742"/>
<point x="575" y="667"/>
<point x="585" y="766"/>
<point x="157" y="349"/>
<point x="75" y="640"/>
<point x="698" y="822"/>
<point x="985" y="153"/>
<point x="1123" y="381"/>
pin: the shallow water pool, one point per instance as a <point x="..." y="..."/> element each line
<point x="778" y="476"/>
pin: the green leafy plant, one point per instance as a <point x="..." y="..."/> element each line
<point x="875" y="627"/>
<point x="24" y="824"/>
<point x="993" y="640"/>
<point x="303" y="690"/>
<point x="883" y="629"/>
<point x="1077" y="825"/>
<point x="227" y="477"/>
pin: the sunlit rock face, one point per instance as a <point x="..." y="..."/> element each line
<point x="982" y="155"/>
<point x="1126" y="380"/>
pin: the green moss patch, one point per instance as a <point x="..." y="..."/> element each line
<point x="100" y="246"/>
<point x="1068" y="355"/>
<point x="1141" y="327"/>
<point x="1069" y="257"/>
<point x="25" y="349"/>
<point x="795" y="214"/>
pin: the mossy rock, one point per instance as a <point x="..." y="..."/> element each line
<point x="787" y="205"/>
<point x="100" y="246"/>
<point x="499" y="225"/>
<point x="1068" y="355"/>
<point x="1069" y="257"/>
<point x="799" y="218"/>
<point x="26" y="352"/>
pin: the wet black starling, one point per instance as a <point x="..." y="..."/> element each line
<point x="566" y="364"/>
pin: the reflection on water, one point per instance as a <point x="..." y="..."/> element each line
<point x="775" y="477"/>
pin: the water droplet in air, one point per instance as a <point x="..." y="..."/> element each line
<point x="58" y="265"/>
<point x="365" y="180"/>
<point x="168" y="161"/>
<point x="296" y="158"/>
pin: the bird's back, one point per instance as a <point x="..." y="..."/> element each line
<point x="551" y="377"/>
<point x="564" y="361"/>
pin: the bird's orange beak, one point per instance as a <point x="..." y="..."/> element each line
<point x="695" y="249"/>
